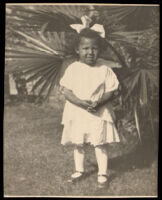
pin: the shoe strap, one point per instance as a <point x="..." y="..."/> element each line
<point x="79" y="172"/>
<point x="103" y="175"/>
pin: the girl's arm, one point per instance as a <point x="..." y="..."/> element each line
<point x="70" y="96"/>
<point x="105" y="98"/>
<point x="111" y="86"/>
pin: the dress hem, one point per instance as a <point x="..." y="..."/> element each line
<point x="89" y="143"/>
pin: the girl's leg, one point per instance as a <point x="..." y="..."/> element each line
<point x="79" y="161"/>
<point x="102" y="161"/>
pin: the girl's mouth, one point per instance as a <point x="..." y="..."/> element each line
<point x="90" y="58"/>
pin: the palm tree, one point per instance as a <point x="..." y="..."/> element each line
<point x="44" y="47"/>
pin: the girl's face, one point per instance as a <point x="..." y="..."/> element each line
<point x="88" y="50"/>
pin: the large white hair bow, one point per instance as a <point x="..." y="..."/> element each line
<point x="85" y="24"/>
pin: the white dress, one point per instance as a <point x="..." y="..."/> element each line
<point x="89" y="83"/>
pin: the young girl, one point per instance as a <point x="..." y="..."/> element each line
<point x="88" y="84"/>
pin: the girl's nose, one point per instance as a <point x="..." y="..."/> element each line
<point x="90" y="51"/>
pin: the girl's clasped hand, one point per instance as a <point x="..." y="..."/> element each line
<point x="92" y="106"/>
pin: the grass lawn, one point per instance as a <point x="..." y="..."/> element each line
<point x="35" y="163"/>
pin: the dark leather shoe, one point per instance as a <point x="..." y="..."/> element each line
<point x="78" y="178"/>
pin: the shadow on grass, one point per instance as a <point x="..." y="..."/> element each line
<point x="93" y="171"/>
<point x="141" y="157"/>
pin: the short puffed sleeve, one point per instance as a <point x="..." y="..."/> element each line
<point x="66" y="80"/>
<point x="111" y="81"/>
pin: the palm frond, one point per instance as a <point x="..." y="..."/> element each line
<point x="137" y="124"/>
<point x="53" y="84"/>
<point x="38" y="58"/>
<point x="143" y="88"/>
<point x="37" y="50"/>
<point x="44" y="45"/>
<point x="153" y="75"/>
<point x="40" y="72"/>
<point x="16" y="65"/>
<point x="133" y="17"/>
<point x="130" y="39"/>
<point x="113" y="14"/>
<point x="141" y="79"/>
<point x="131" y="83"/>
<point x="118" y="55"/>
<point x="58" y="17"/>
<point x="43" y="78"/>
<point x="47" y="82"/>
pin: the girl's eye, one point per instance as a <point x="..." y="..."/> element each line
<point x="86" y="48"/>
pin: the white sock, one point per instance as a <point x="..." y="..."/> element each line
<point x="79" y="159"/>
<point x="102" y="159"/>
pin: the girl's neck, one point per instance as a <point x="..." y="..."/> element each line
<point x="93" y="65"/>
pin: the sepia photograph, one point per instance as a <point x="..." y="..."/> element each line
<point x="81" y="100"/>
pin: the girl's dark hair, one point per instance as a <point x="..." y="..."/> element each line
<point x="89" y="33"/>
